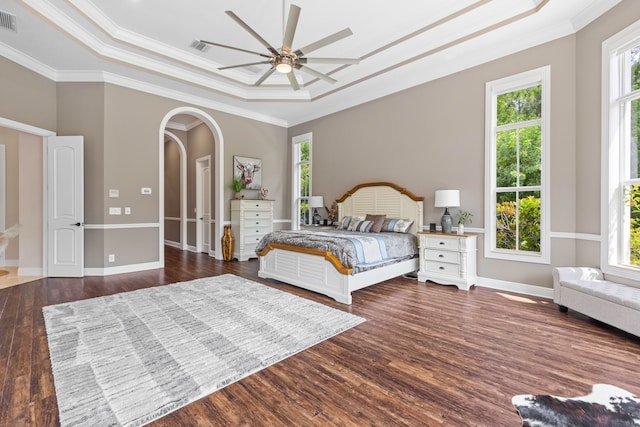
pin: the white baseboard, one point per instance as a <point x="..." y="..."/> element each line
<point x="518" y="288"/>
<point x="173" y="244"/>
<point x="122" y="269"/>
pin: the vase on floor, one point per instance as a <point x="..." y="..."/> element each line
<point x="227" y="244"/>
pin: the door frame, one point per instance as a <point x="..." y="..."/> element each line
<point x="44" y="134"/>
<point x="218" y="165"/>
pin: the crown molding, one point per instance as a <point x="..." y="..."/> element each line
<point x="28" y="62"/>
<point x="594" y="10"/>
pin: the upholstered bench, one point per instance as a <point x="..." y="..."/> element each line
<point x="585" y="290"/>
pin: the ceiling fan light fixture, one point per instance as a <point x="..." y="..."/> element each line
<point x="284" y="65"/>
<point x="285" y="59"/>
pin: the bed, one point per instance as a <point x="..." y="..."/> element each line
<point x="322" y="271"/>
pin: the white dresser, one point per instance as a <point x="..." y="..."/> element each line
<point x="448" y="259"/>
<point x="250" y="220"/>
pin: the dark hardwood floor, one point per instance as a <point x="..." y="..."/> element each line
<point x="428" y="355"/>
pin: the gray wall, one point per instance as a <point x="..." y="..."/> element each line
<point x="121" y="129"/>
<point x="424" y="138"/>
<point x="432" y="136"/>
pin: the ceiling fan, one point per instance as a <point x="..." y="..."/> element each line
<point x="285" y="59"/>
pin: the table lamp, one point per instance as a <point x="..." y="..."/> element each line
<point x="447" y="199"/>
<point x="316" y="202"/>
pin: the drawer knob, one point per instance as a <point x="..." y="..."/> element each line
<point x="440" y="256"/>
<point x="441" y="268"/>
<point x="442" y="243"/>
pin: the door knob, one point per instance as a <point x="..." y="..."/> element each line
<point x="77" y="224"/>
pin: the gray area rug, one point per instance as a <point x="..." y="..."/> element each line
<point x="130" y="358"/>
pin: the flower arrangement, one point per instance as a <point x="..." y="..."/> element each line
<point x="464" y="217"/>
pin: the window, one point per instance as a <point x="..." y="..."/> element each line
<point x="301" y="186"/>
<point x="517" y="123"/>
<point x="621" y="122"/>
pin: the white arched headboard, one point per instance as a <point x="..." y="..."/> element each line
<point x="382" y="198"/>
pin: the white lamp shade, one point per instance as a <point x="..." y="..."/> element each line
<point x="316" y="201"/>
<point x="447" y="199"/>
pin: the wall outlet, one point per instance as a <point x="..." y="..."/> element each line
<point x="112" y="258"/>
<point x="127" y="211"/>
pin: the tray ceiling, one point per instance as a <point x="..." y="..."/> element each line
<point x="147" y="45"/>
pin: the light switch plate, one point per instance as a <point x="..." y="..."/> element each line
<point x="115" y="211"/>
<point x="114" y="193"/>
<point x="145" y="190"/>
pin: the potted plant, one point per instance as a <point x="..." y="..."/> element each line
<point x="463" y="218"/>
<point x="237" y="185"/>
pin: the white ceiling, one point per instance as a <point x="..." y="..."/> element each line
<point x="146" y="45"/>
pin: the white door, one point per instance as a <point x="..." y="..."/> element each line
<point x="65" y="206"/>
<point x="203" y="204"/>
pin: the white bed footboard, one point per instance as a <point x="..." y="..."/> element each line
<point x="319" y="274"/>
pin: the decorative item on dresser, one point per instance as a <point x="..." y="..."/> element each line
<point x="463" y="218"/>
<point x="250" y="220"/>
<point x="237" y="185"/>
<point x="448" y="259"/>
<point x="447" y="199"/>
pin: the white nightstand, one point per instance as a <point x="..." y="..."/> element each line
<point x="448" y="259"/>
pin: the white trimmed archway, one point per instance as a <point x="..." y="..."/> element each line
<point x="218" y="213"/>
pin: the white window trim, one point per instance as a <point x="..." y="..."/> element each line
<point x="612" y="242"/>
<point x="295" y="179"/>
<point x="492" y="89"/>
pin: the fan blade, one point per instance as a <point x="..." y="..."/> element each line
<point x="329" y="60"/>
<point x="235" y="48"/>
<point x="250" y="31"/>
<point x="264" y="76"/>
<point x="244" y="65"/>
<point x="293" y="81"/>
<point x="292" y="23"/>
<point x="323" y="42"/>
<point x="315" y="73"/>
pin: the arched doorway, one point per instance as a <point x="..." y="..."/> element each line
<point x="182" y="185"/>
<point x="218" y="189"/>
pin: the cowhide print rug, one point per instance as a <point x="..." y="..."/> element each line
<point x="606" y="405"/>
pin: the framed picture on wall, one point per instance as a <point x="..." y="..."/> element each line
<point x="249" y="171"/>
